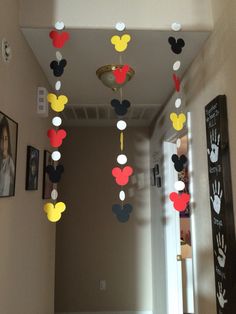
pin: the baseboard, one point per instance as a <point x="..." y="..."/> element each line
<point x="108" y="312"/>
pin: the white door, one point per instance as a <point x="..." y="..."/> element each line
<point x="172" y="237"/>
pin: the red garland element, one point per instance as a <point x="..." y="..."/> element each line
<point x="180" y="200"/>
<point x="122" y="175"/>
<point x="58" y="39"/>
<point x="120" y="74"/>
<point x="177" y="82"/>
<point x="56" y="137"/>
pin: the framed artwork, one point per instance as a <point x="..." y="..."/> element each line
<point x="47" y="184"/>
<point x="8" y="152"/>
<point x="152" y="177"/>
<point x="155" y="176"/>
<point x="32" y="168"/>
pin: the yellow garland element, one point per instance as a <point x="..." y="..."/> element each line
<point x="120" y="43"/>
<point x="178" y="120"/>
<point x="57" y="104"/>
<point x="121" y="141"/>
<point x="54" y="211"/>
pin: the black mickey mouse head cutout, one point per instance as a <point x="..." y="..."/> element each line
<point x="176" y="45"/>
<point x="120" y="108"/>
<point x="122" y="213"/>
<point x="54" y="174"/>
<point x="179" y="162"/>
<point x="58" y="67"/>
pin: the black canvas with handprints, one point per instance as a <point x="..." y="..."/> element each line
<point x="221" y="202"/>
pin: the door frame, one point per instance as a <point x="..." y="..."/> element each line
<point x="172" y="225"/>
<point x="172" y="237"/>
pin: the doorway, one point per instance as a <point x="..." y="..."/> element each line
<point x="178" y="246"/>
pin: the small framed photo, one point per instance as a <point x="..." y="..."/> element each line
<point x="32" y="169"/>
<point x="47" y="184"/>
<point x="8" y="152"/>
<point x="154" y="175"/>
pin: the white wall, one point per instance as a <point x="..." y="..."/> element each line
<point x="153" y="14"/>
<point x="26" y="237"/>
<point x="211" y="74"/>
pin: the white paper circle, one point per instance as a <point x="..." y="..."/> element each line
<point x="120" y="26"/>
<point x="59" y="25"/>
<point x="54" y="194"/>
<point x="179" y="185"/>
<point x="58" y="85"/>
<point x="122" y="159"/>
<point x="176" y="65"/>
<point x="58" y="55"/>
<point x="56" y="121"/>
<point x="176" y="26"/>
<point x="178" y="143"/>
<point x="56" y="156"/>
<point x="178" y="102"/>
<point x="121" y="125"/>
<point x="122" y="195"/>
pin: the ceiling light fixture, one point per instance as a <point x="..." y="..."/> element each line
<point x="105" y="74"/>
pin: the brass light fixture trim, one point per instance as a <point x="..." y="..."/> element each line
<point x="104" y="73"/>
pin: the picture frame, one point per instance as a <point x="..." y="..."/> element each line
<point x="155" y="176"/>
<point x="8" y="155"/>
<point x="32" y="169"/>
<point x="47" y="184"/>
<point x="152" y="177"/>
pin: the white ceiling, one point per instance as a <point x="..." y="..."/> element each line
<point x="148" y="53"/>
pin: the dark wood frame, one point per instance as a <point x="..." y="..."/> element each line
<point x="30" y="151"/>
<point x="154" y="176"/>
<point x="45" y="175"/>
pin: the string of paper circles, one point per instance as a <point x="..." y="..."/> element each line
<point x="56" y="135"/>
<point x="122" y="172"/>
<point x="180" y="199"/>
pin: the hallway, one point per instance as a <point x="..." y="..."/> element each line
<point x="95" y="258"/>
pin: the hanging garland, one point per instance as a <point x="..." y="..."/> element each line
<point x="180" y="199"/>
<point x="56" y="136"/>
<point x="121" y="174"/>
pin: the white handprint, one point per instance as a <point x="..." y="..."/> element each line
<point x="217" y="195"/>
<point x="221" y="295"/>
<point x="222" y="248"/>
<point x="215" y="142"/>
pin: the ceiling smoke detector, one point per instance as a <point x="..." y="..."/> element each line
<point x="105" y="74"/>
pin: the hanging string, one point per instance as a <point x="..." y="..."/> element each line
<point x="121" y="141"/>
